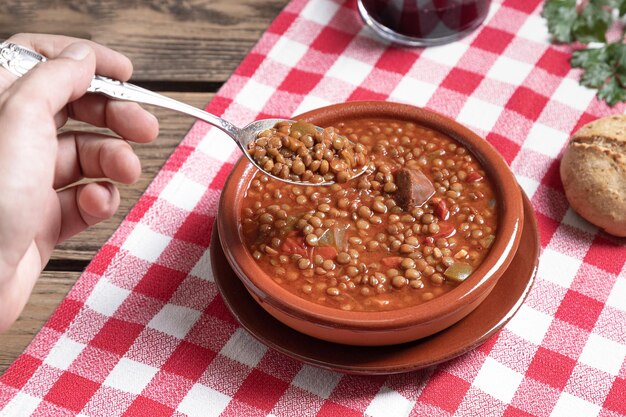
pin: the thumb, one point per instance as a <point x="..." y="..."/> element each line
<point x="56" y="81"/>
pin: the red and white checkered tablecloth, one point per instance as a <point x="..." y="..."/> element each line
<point x="145" y="332"/>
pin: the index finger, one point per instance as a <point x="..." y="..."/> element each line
<point x="109" y="63"/>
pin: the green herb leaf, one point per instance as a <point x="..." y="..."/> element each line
<point x="591" y="24"/>
<point x="612" y="92"/>
<point x="561" y="16"/>
<point x="596" y="75"/>
<point x="603" y="68"/>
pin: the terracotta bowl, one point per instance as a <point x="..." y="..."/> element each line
<point x="385" y="327"/>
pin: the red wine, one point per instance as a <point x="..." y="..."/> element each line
<point x="427" y="19"/>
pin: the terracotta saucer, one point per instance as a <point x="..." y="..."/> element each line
<point x="493" y="313"/>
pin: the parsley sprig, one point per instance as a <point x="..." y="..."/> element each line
<point x="604" y="68"/>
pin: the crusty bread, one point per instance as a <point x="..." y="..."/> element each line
<point x="593" y="171"/>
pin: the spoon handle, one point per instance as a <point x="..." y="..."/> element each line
<point x="19" y="60"/>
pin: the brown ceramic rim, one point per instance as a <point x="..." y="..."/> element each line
<point x="510" y="206"/>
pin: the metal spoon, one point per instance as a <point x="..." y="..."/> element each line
<point x="19" y="60"/>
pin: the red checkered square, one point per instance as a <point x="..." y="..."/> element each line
<point x="219" y="105"/>
<point x="507" y="148"/>
<point x="189" y="360"/>
<point x="398" y="60"/>
<point x="71" y="391"/>
<point x="261" y="390"/>
<point x="547" y="228"/>
<point x="332" y="41"/>
<point x="160" y="282"/>
<point x="551" y="368"/>
<point x="616" y="400"/>
<point x="249" y="65"/>
<point x="196" y="229"/>
<point x="176" y="161"/>
<point x="116" y="336"/>
<point x="64" y="314"/>
<point x="332" y="409"/>
<point x="463" y="81"/>
<point x="492" y="40"/>
<point x="602" y="254"/>
<point x="555" y="62"/>
<point x="515" y="412"/>
<point x="362" y="94"/>
<point x="300" y="82"/>
<point x="527" y="103"/>
<point x="526" y="6"/>
<point x="20" y="371"/>
<point x="552" y="176"/>
<point x="145" y="407"/>
<point x="219" y="310"/>
<point x="103" y="258"/>
<point x="579" y="310"/>
<point x="282" y="23"/>
<point x="220" y="178"/>
<point x="455" y="389"/>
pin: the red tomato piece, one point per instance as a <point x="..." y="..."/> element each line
<point x="446" y="229"/>
<point x="327" y="252"/>
<point x="293" y="245"/>
<point x="441" y="210"/>
<point x="392" y="261"/>
<point x="473" y="176"/>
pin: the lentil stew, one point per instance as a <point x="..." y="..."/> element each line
<point x="413" y="227"/>
<point x="299" y="151"/>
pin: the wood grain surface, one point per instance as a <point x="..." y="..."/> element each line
<point x="186" y="49"/>
<point x="198" y="41"/>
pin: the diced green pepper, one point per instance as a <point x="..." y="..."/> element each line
<point x="486" y="242"/>
<point x="458" y="271"/>
<point x="304" y="128"/>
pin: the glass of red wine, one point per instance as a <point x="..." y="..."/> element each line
<point x="423" y="22"/>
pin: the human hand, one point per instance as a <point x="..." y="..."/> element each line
<point x="40" y="205"/>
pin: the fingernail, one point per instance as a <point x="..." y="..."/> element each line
<point x="76" y="51"/>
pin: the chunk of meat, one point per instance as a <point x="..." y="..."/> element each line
<point x="414" y="188"/>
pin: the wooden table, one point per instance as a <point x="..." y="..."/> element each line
<point x="186" y="50"/>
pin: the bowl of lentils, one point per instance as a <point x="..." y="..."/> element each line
<point x="399" y="252"/>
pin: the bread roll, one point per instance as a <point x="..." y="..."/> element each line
<point x="593" y="171"/>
